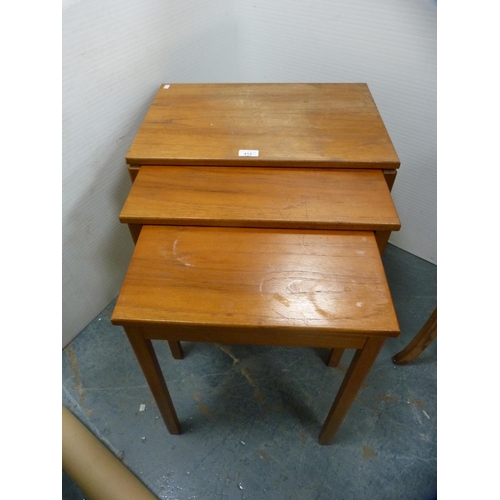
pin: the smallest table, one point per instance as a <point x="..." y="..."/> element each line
<point x="316" y="288"/>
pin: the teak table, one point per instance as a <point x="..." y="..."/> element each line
<point x="259" y="213"/>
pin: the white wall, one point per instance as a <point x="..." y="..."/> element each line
<point x="115" y="55"/>
<point x="389" y="44"/>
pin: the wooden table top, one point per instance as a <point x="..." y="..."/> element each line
<point x="299" y="125"/>
<point x="300" y="198"/>
<point x="291" y="281"/>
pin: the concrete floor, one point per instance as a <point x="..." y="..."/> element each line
<point x="251" y="414"/>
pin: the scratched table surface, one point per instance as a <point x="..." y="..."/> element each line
<point x="261" y="197"/>
<point x="333" y="125"/>
<point x="251" y="414"/>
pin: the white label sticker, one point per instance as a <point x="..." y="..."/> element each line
<point x="142" y="407"/>
<point x="248" y="152"/>
<point x="166" y="86"/>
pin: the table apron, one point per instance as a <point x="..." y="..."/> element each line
<point x="253" y="336"/>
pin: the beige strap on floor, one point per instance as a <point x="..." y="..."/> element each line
<point x="96" y="471"/>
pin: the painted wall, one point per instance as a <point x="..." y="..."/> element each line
<point x="115" y="55"/>
<point x="389" y="44"/>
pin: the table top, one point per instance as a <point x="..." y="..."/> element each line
<point x="297" y="125"/>
<point x="300" y="198"/>
<point x="326" y="281"/>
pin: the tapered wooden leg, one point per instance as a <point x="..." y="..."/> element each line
<point x="133" y="171"/>
<point x="419" y="343"/>
<point x="146" y="356"/>
<point x="358" y="369"/>
<point x="135" y="231"/>
<point x="176" y="349"/>
<point x="382" y="238"/>
<point x="390" y="177"/>
<point x="335" y="357"/>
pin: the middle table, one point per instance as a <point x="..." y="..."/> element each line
<point x="279" y="198"/>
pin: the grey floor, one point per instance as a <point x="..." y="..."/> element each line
<point x="251" y="414"/>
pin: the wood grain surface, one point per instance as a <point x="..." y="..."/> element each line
<point x="320" y="125"/>
<point x="257" y="278"/>
<point x="298" y="198"/>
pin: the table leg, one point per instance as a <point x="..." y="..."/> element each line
<point x="146" y="356"/>
<point x="382" y="238"/>
<point x="135" y="230"/>
<point x="419" y="343"/>
<point x="335" y="357"/>
<point x="390" y="177"/>
<point x="176" y="349"/>
<point x="358" y="369"/>
<point x="133" y="170"/>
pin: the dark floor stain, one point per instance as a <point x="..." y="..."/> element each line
<point x="73" y="363"/>
<point x="202" y="407"/>
<point x="368" y="452"/>
<point x="416" y="402"/>
<point x="262" y="454"/>
<point x="385" y="397"/>
<point x="228" y="351"/>
<point x="258" y="395"/>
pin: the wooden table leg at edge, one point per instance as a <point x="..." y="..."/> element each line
<point x="144" y="351"/>
<point x="176" y="349"/>
<point x="419" y="343"/>
<point x="335" y="357"/>
<point x="358" y="369"/>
